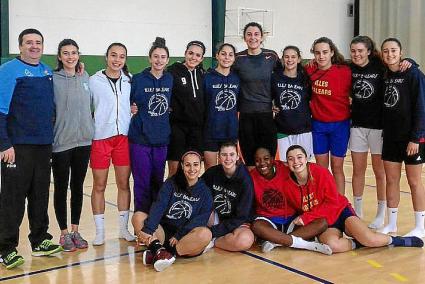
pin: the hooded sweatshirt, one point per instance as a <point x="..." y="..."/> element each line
<point x="404" y="106"/>
<point x="367" y="95"/>
<point x="26" y="104"/>
<point x="111" y="102"/>
<point x="187" y="103"/>
<point x="292" y="97"/>
<point x="233" y="198"/>
<point x="319" y="198"/>
<point x="221" y="95"/>
<point x="270" y="200"/>
<point x="151" y="126"/>
<point x="179" y="211"/>
<point x="73" y="119"/>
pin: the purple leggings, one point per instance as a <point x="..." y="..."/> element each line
<point x="147" y="167"/>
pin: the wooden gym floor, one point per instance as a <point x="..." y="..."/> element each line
<point x="119" y="261"/>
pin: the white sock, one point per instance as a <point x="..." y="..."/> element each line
<point x="123" y="221"/>
<point x="380" y="215"/>
<point x="99" y="221"/>
<point x="299" y="243"/>
<point x="419" y="230"/>
<point x="392" y="221"/>
<point x="358" y="205"/>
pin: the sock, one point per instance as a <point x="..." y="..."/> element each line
<point x="358" y="205"/>
<point x="392" y="221"/>
<point x="154" y="246"/>
<point x="123" y="221"/>
<point x="299" y="243"/>
<point x="419" y="230"/>
<point x="406" y="242"/>
<point x="380" y="215"/>
<point x="99" y="221"/>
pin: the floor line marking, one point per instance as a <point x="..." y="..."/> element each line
<point x="399" y="277"/>
<point x="374" y="263"/>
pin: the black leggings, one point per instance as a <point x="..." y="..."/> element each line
<point x="75" y="160"/>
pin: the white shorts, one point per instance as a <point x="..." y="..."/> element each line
<point x="363" y="139"/>
<point x="304" y="139"/>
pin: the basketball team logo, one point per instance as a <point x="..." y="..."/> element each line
<point x="222" y="204"/>
<point x="391" y="96"/>
<point x="273" y="199"/>
<point x="225" y="100"/>
<point x="290" y="99"/>
<point x="158" y="105"/>
<point x="363" y="89"/>
<point x="180" y="209"/>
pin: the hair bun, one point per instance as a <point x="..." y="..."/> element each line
<point x="159" y="41"/>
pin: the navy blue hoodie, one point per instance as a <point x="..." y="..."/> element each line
<point x="404" y="106"/>
<point x="233" y="198"/>
<point x="367" y="95"/>
<point x="178" y="211"/>
<point x="292" y="97"/>
<point x="150" y="126"/>
<point x="221" y="95"/>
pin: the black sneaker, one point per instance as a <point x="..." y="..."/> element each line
<point x="12" y="260"/>
<point x="47" y="247"/>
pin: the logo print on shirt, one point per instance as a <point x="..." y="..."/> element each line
<point x="158" y="105"/>
<point x="28" y="73"/>
<point x="180" y="209"/>
<point x="225" y="100"/>
<point x="363" y="89"/>
<point x="184" y="81"/>
<point x="222" y="204"/>
<point x="268" y="57"/>
<point x="273" y="199"/>
<point x="391" y="96"/>
<point x="290" y="99"/>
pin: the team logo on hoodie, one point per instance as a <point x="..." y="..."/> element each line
<point x="363" y="89"/>
<point x="273" y="199"/>
<point x="180" y="209"/>
<point x="158" y="105"/>
<point x="222" y="204"/>
<point x="391" y="97"/>
<point x="290" y="99"/>
<point x="225" y="100"/>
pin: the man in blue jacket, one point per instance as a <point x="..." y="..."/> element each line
<point x="26" y="135"/>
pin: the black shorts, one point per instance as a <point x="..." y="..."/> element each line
<point x="345" y="214"/>
<point x="395" y="151"/>
<point x="256" y="130"/>
<point x="182" y="139"/>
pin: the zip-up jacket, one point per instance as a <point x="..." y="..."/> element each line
<point x="221" y="95"/>
<point x="151" y="125"/>
<point x="188" y="102"/>
<point x="330" y="93"/>
<point x="111" y="102"/>
<point x="404" y="106"/>
<point x="26" y="104"/>
<point x="367" y="95"/>
<point x="292" y="98"/>
<point x="180" y="211"/>
<point x="255" y="73"/>
<point x="270" y="199"/>
<point x="319" y="198"/>
<point x="233" y="198"/>
<point x="73" y="119"/>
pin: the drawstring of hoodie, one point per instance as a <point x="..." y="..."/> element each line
<point x="194" y="81"/>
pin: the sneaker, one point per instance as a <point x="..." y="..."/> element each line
<point x="210" y="245"/>
<point x="78" y="240"/>
<point x="125" y="234"/>
<point x="147" y="257"/>
<point x="162" y="259"/>
<point x="12" y="260"/>
<point x="66" y="242"/>
<point x="47" y="247"/>
<point x="267" y="246"/>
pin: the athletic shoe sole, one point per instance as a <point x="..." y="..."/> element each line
<point x="15" y="264"/>
<point x="162" y="264"/>
<point x="47" y="253"/>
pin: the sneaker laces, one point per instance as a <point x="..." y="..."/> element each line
<point x="45" y="244"/>
<point x="10" y="256"/>
<point x="78" y="237"/>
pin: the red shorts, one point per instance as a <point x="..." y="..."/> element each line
<point x="115" y="148"/>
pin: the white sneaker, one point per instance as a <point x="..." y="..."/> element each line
<point x="99" y="239"/>
<point x="376" y="224"/>
<point x="209" y="246"/>
<point x="267" y="246"/>
<point x="125" y="234"/>
<point x="388" y="229"/>
<point x="420" y="233"/>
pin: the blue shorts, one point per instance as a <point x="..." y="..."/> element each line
<point x="279" y="223"/>
<point x="331" y="137"/>
<point x="340" y="222"/>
